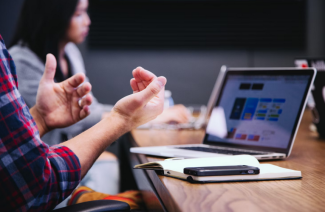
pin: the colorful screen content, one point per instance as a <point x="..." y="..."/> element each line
<point x="257" y="110"/>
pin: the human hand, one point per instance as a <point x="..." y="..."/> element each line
<point x="146" y="102"/>
<point x="57" y="104"/>
<point x="177" y="113"/>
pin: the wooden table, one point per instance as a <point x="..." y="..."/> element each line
<point x="168" y="194"/>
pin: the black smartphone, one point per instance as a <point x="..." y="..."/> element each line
<point x="221" y="170"/>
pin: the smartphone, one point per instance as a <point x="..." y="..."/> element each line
<point x="221" y="170"/>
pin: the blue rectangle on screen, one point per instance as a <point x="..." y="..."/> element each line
<point x="262" y="111"/>
<point x="279" y="100"/>
<point x="249" y="110"/>
<point x="260" y="118"/>
<point x="250" y="137"/>
<point x="238" y="136"/>
<point x="280" y="111"/>
<point x="272" y="119"/>
<point x="237" y="108"/>
<point x="265" y="100"/>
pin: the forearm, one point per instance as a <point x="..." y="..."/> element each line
<point x="91" y="143"/>
<point x="42" y="128"/>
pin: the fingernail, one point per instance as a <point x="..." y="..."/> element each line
<point x="161" y="82"/>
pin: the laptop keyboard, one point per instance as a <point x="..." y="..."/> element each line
<point x="222" y="151"/>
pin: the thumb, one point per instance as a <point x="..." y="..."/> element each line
<point x="50" y="68"/>
<point x="152" y="89"/>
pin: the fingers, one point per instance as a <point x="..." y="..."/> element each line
<point x="141" y="74"/>
<point x="141" y="85"/>
<point x="84" y="103"/>
<point x="134" y="85"/>
<point x="73" y="82"/>
<point x="50" y="68"/>
<point x="83" y="89"/>
<point x="179" y="118"/>
<point x="84" y="112"/>
<point x="182" y="118"/>
<point x="152" y="90"/>
<point x="177" y="114"/>
<point x="183" y="112"/>
<point x="87" y="100"/>
<point x="144" y="105"/>
<point x="143" y="77"/>
<point x="175" y="119"/>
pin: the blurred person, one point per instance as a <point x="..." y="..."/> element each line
<point x="56" y="26"/>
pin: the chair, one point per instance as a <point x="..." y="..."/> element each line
<point x="96" y="206"/>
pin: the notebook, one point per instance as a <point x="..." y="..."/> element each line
<point x="255" y="111"/>
<point x="175" y="168"/>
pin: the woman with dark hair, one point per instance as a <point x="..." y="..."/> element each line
<point x="52" y="26"/>
<point x="55" y="26"/>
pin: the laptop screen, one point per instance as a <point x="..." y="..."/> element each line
<point x="258" y="109"/>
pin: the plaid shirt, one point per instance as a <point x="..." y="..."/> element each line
<point x="33" y="176"/>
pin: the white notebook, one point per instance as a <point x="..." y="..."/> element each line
<point x="175" y="168"/>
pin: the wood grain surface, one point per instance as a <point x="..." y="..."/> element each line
<point x="306" y="194"/>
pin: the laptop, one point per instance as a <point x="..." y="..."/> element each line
<point x="316" y="100"/>
<point x="255" y="111"/>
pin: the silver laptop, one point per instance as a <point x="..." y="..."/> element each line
<point x="255" y="111"/>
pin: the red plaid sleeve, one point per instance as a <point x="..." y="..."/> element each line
<point x="34" y="176"/>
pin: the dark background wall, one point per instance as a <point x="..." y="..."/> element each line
<point x="191" y="72"/>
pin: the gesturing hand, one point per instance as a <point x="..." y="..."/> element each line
<point x="57" y="104"/>
<point x="176" y="114"/>
<point x="147" y="100"/>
